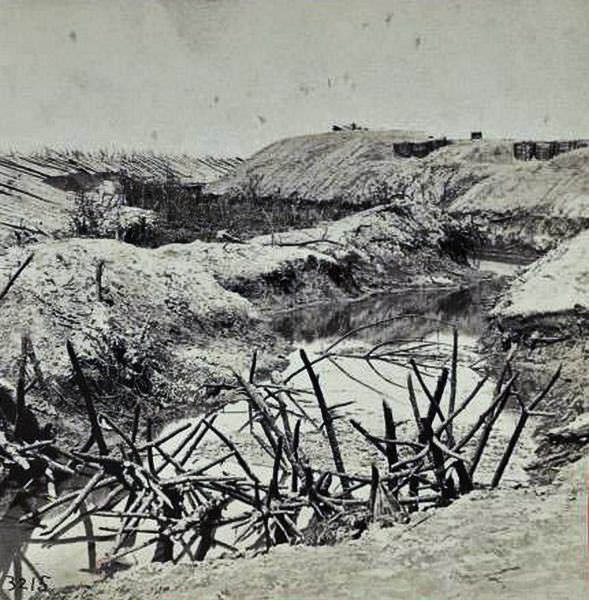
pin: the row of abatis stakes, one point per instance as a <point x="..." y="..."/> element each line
<point x="198" y="309"/>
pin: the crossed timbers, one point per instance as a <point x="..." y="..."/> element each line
<point x="160" y="493"/>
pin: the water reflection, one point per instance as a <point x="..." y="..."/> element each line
<point x="463" y="308"/>
<point x="27" y="565"/>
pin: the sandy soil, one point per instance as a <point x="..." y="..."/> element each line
<point x="172" y="319"/>
<point x="544" y="314"/>
<point x="355" y="165"/>
<point x="32" y="208"/>
<point x="518" y="204"/>
<point x="557" y="283"/>
<point x="504" y="544"/>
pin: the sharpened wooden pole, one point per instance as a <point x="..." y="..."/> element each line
<point x="20" y="417"/>
<point x="510" y="448"/>
<point x="374" y="483"/>
<point x="520" y="427"/>
<point x="453" y="387"/>
<point x="11" y="281"/>
<point x="136" y="415"/>
<point x="85" y="391"/>
<point x="327" y="420"/>
<point x="252" y="375"/>
<point x="391" y="434"/>
<point x="413" y="401"/>
<point x="434" y="406"/>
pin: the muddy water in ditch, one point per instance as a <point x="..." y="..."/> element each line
<point x="423" y="323"/>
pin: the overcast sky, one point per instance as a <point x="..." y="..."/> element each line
<point x="230" y="76"/>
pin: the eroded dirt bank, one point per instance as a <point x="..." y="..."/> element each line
<point x="544" y="314"/>
<point x="521" y="206"/>
<point x="161" y="325"/>
<point x="527" y="539"/>
<point x="504" y="544"/>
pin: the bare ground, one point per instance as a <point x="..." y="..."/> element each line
<point x="512" y="543"/>
<point x="525" y="205"/>
<point x="529" y="542"/>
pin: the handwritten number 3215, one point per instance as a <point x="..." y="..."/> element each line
<point x="20" y="583"/>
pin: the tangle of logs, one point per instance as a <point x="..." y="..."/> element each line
<point x="162" y="492"/>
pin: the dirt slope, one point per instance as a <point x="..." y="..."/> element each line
<point x="149" y="308"/>
<point x="355" y="165"/>
<point x="31" y="207"/>
<point x="545" y="315"/>
<point x="525" y="205"/>
<point x="509" y="544"/>
<point x="152" y="301"/>
<point x="204" y="284"/>
<point x="557" y="283"/>
<point x="170" y="320"/>
<point x="537" y="203"/>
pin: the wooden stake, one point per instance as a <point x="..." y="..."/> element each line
<point x="85" y="391"/>
<point x="453" y="386"/>
<point x="135" y="429"/>
<point x="435" y="402"/>
<point x="413" y="401"/>
<point x="99" y="273"/>
<point x="462" y="406"/>
<point x="375" y="482"/>
<point x="390" y="433"/>
<point x="520" y="427"/>
<point x="483" y="416"/>
<point x="20" y="428"/>
<point x="483" y="440"/>
<point x="327" y="420"/>
<point x="14" y="277"/>
<point x="252" y="375"/>
<point x="91" y="542"/>
<point x="149" y="436"/>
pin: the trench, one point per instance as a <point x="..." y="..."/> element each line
<point x="422" y="319"/>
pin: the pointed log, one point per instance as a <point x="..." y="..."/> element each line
<point x="136" y="415"/>
<point x="17" y="273"/>
<point x="462" y="406"/>
<point x="453" y="386"/>
<point x="273" y="488"/>
<point x="252" y="375"/>
<point x="435" y="402"/>
<point x="149" y="436"/>
<point x="413" y="401"/>
<point x="483" y="416"/>
<point x="87" y="396"/>
<point x="520" y="427"/>
<point x="327" y="420"/>
<point x="375" y="482"/>
<point x="391" y="434"/>
<point x="420" y="379"/>
<point x="20" y="428"/>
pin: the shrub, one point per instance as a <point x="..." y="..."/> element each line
<point x="460" y="241"/>
<point x="102" y="213"/>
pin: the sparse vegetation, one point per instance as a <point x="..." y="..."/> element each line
<point x="461" y="241"/>
<point x="179" y="499"/>
<point x="188" y="213"/>
<point x="103" y="214"/>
